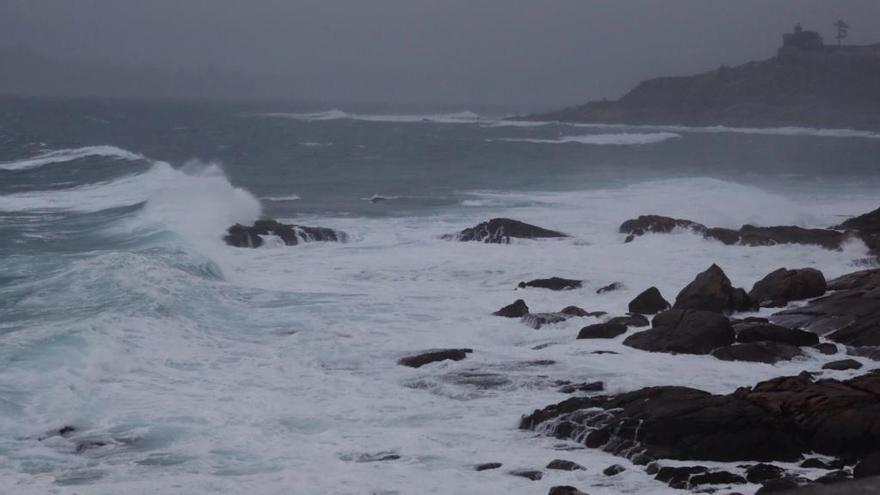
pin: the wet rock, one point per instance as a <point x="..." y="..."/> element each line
<point x="501" y="230"/>
<point x="760" y="473"/>
<point x="553" y="283"/>
<point x="65" y="431"/>
<point x="538" y="320"/>
<point x="758" y="352"/>
<point x="648" y="302"/>
<point x="868" y="466"/>
<point x="602" y="331"/>
<point x="658" y="224"/>
<point x="528" y="474"/>
<point x="487" y="466"/>
<point x="863" y="279"/>
<point x="610" y="288"/>
<point x="781" y="485"/>
<point x="843" y="364"/>
<point x="582" y="387"/>
<point x="750" y="235"/>
<point x="757" y="332"/>
<point x="434" y="356"/>
<point x="576" y="311"/>
<point x="633" y="320"/>
<point x="684" y="331"/>
<point x="783" y="285"/>
<point x="250" y="236"/>
<point x="867" y="227"/>
<point x="679" y="477"/>
<point x="613" y="470"/>
<point x="565" y="490"/>
<point x="816" y="463"/>
<point x="870" y="352"/>
<point x="517" y="309"/>
<point x="826" y="348"/>
<point x="563" y="465"/>
<point x="374" y="457"/>
<point x="716" y="478"/>
<point x="603" y="352"/>
<point x="776" y="420"/>
<point x="712" y="291"/>
<point x="834" y="477"/>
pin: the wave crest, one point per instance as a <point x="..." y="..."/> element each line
<point x="622" y="139"/>
<point x="70" y="154"/>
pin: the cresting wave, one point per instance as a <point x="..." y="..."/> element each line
<point x="622" y="139"/>
<point x="70" y="154"/>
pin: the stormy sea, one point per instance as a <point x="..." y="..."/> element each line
<point x="142" y="353"/>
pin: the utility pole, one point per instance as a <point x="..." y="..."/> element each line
<point x="842" y="31"/>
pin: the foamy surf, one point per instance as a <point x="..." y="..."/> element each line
<point x="67" y="155"/>
<point x="621" y="139"/>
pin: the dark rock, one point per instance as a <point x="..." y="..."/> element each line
<point x="565" y="490"/>
<point x="610" y="288"/>
<point x="658" y="224"/>
<point x="602" y="331"/>
<point x="516" y="310"/>
<point x="553" y="283"/>
<point x="244" y="236"/>
<point x="434" y="356"/>
<point x="613" y="470"/>
<point x="528" y="474"/>
<point x="781" y="485"/>
<point x="377" y="457"/>
<point x="678" y="477"/>
<point x="712" y="291"/>
<point x="776" y="420"/>
<point x="868" y="466"/>
<point x="716" y="478"/>
<point x="749" y="235"/>
<point x="826" y="348"/>
<point x="538" y="320"/>
<point x="563" y="465"/>
<point x="757" y="332"/>
<point x="603" y="352"/>
<point x="864" y="279"/>
<point x="501" y="230"/>
<point x="781" y="286"/>
<point x="867" y="227"/>
<point x="633" y="320"/>
<point x="684" y="331"/>
<point x="760" y="473"/>
<point x="834" y="477"/>
<point x="758" y="352"/>
<point x="85" y="445"/>
<point x="870" y="352"/>
<point x="843" y="364"/>
<point x="816" y="463"/>
<point x="576" y="311"/>
<point x="65" y="431"/>
<point x="487" y="466"/>
<point x="582" y="387"/>
<point x="648" y="302"/>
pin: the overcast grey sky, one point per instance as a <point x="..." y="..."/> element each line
<point x="538" y="53"/>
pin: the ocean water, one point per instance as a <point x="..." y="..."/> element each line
<point x="187" y="366"/>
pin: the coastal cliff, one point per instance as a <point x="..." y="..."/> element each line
<point x="813" y="86"/>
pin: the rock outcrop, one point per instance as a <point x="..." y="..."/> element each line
<point x="501" y="230"/>
<point x="758" y="352"/>
<point x="649" y="302"/>
<point x="712" y="291"/>
<point x="607" y="330"/>
<point x="553" y="283"/>
<point x="783" y="285"/>
<point x="252" y="236"/>
<point x="517" y="309"/>
<point x="684" y="331"/>
<point x="424" y="358"/>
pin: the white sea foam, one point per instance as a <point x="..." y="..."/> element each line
<point x="66" y="155"/>
<point x="288" y="197"/>
<point x="620" y="139"/>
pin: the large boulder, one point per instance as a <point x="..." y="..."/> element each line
<point x="552" y="283"/>
<point x="712" y="291"/>
<point x="433" y="356"/>
<point x="750" y="235"/>
<point x="768" y="332"/>
<point x="252" y="236"/>
<point x="517" y="309"/>
<point x="501" y="230"/>
<point x="783" y="285"/>
<point x="649" y="302"/>
<point x="684" y="331"/>
<point x="658" y="224"/>
<point x="846" y="316"/>
<point x="758" y="352"/>
<point x="777" y="420"/>
<point x="607" y="330"/>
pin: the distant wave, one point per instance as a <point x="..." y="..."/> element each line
<point x="466" y="117"/>
<point x="622" y="139"/>
<point x="290" y="197"/>
<point x="377" y="198"/>
<point x="70" y="154"/>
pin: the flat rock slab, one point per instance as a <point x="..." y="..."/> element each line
<point x="552" y="283"/>
<point x="850" y="316"/>
<point x="424" y="358"/>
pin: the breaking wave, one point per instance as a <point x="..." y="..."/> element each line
<point x="622" y="139"/>
<point x="67" y="155"/>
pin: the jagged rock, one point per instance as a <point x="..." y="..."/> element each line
<point x="582" y="387"/>
<point x="563" y="465"/>
<point x="658" y="224"/>
<point x="750" y="235"/>
<point x="613" y="470"/>
<point x="632" y="320"/>
<point x="757" y="332"/>
<point x="602" y="331"/>
<point x="867" y="227"/>
<point x="648" y="302"/>
<point x="781" y="286"/>
<point x="843" y="364"/>
<point x="814" y="462"/>
<point x="758" y="352"/>
<point x="517" y="309"/>
<point x="776" y="420"/>
<point x="487" y="466"/>
<point x="501" y="230"/>
<point x="528" y="474"/>
<point x="760" y="473"/>
<point x="610" y="288"/>
<point x="576" y="311"/>
<point x="244" y="236"/>
<point x="565" y="490"/>
<point x="711" y="290"/>
<point x="434" y="356"/>
<point x="553" y="283"/>
<point x="538" y="320"/>
<point x="684" y="331"/>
